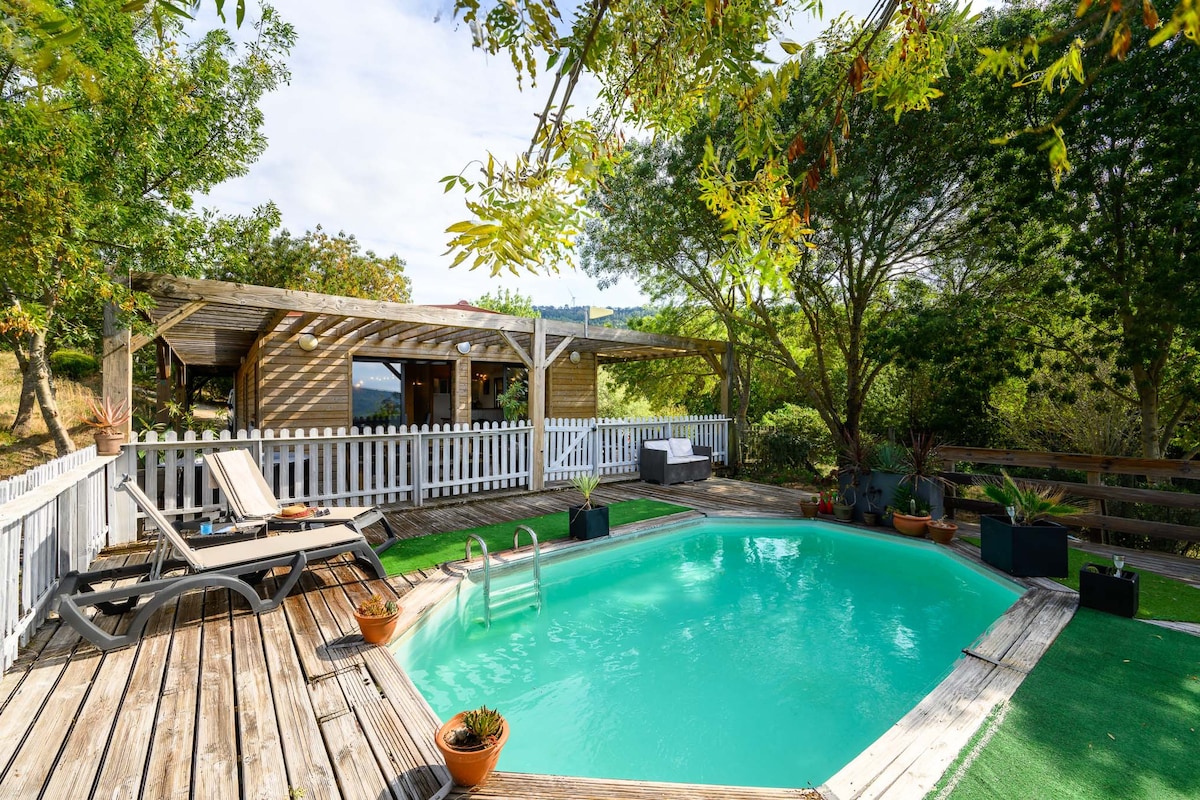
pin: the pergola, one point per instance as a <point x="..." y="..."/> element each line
<point x="213" y="325"/>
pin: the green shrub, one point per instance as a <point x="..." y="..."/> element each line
<point x="791" y="437"/>
<point x="73" y="364"/>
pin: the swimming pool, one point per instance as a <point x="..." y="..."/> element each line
<point x="746" y="652"/>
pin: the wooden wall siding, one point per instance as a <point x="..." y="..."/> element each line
<point x="303" y="389"/>
<point x="571" y="388"/>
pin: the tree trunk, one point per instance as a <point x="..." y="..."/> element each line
<point x="40" y="368"/>
<point x="1148" y="404"/>
<point x="23" y="424"/>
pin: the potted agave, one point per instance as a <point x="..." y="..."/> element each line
<point x="471" y="743"/>
<point x="108" y="421"/>
<point x="377" y="619"/>
<point x="1024" y="542"/>
<point x="587" y="521"/>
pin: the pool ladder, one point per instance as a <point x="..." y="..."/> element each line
<point x="513" y="597"/>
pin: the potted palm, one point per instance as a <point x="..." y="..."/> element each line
<point x="107" y="420"/>
<point x="471" y="743"/>
<point x="1024" y="542"/>
<point x="586" y="521"/>
<point x="377" y="619"/>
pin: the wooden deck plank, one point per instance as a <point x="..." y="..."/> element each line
<point x="409" y="775"/>
<point x="11" y="680"/>
<point x="307" y="762"/>
<point x="264" y="774"/>
<point x="216" y="761"/>
<point x="354" y="763"/>
<point x="173" y="738"/>
<point x="123" y="767"/>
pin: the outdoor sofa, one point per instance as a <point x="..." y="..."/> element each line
<point x="674" y="460"/>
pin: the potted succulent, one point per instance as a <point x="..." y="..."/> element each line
<point x="377" y="619"/>
<point x="941" y="530"/>
<point x="471" y="743"/>
<point x="1024" y="542"/>
<point x="911" y="523"/>
<point x="586" y="521"/>
<point x="808" y="507"/>
<point x="108" y="420"/>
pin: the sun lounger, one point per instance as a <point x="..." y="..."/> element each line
<point x="250" y="498"/>
<point x="238" y="566"/>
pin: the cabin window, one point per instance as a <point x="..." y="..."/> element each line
<point x="378" y="394"/>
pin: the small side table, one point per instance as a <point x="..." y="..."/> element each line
<point x="1102" y="589"/>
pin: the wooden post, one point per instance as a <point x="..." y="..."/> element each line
<point x="1099" y="506"/>
<point x="461" y="414"/>
<point x="537" y="406"/>
<point x="733" y="441"/>
<point x="117" y="367"/>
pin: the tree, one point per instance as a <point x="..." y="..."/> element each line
<point x="97" y="172"/>
<point x="246" y="250"/>
<point x="506" y="301"/>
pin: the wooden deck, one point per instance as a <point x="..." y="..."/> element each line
<point x="215" y="702"/>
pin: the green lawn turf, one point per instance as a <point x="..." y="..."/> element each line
<point x="1158" y="597"/>
<point x="423" y="552"/>
<point x="1111" y="711"/>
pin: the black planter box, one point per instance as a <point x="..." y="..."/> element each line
<point x="1101" y="589"/>
<point x="1024" y="551"/>
<point x="588" y="523"/>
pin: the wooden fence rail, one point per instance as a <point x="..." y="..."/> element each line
<point x="613" y="446"/>
<point x="1094" y="490"/>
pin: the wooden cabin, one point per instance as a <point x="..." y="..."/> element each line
<point x="301" y="359"/>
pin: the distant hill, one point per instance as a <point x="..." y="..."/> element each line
<point x="619" y="319"/>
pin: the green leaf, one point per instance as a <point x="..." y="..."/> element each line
<point x="241" y="12"/>
<point x="133" y="5"/>
<point x="791" y="48"/>
<point x="460" y="227"/>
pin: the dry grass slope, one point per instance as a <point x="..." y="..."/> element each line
<point x="19" y="455"/>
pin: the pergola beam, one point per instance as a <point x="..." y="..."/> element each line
<point x="165" y="324"/>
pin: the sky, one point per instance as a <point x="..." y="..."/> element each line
<point x="383" y="101"/>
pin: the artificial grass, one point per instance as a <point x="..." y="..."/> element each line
<point x="423" y="552"/>
<point x="1159" y="597"/>
<point x="1111" y="711"/>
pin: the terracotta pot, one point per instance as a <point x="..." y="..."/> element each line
<point x="377" y="630"/>
<point x="941" y="532"/>
<point x="809" y="508"/>
<point x="910" y="525"/>
<point x="109" y="444"/>
<point x="469" y="767"/>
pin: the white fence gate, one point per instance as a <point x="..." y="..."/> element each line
<point x="612" y="446"/>
<point x="53" y="519"/>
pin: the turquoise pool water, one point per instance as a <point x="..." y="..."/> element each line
<point x="755" y="653"/>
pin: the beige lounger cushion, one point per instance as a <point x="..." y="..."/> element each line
<point x="224" y="555"/>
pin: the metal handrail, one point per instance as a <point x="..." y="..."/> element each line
<point x="537" y="559"/>
<point x="487" y="577"/>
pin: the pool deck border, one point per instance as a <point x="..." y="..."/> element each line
<point x="215" y="701"/>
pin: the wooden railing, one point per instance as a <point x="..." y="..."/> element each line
<point x="613" y="446"/>
<point x="53" y="519"/>
<point x="1093" y="489"/>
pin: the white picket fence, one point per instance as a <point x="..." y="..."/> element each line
<point x="612" y="446"/>
<point x="53" y="519"/>
<point x="380" y="466"/>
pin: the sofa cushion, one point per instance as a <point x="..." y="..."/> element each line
<point x="673" y="459"/>
<point x="679" y="448"/>
<point x="655" y="444"/>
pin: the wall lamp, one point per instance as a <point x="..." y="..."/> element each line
<point x="308" y="342"/>
<point x="463" y="347"/>
<point x="574" y="357"/>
